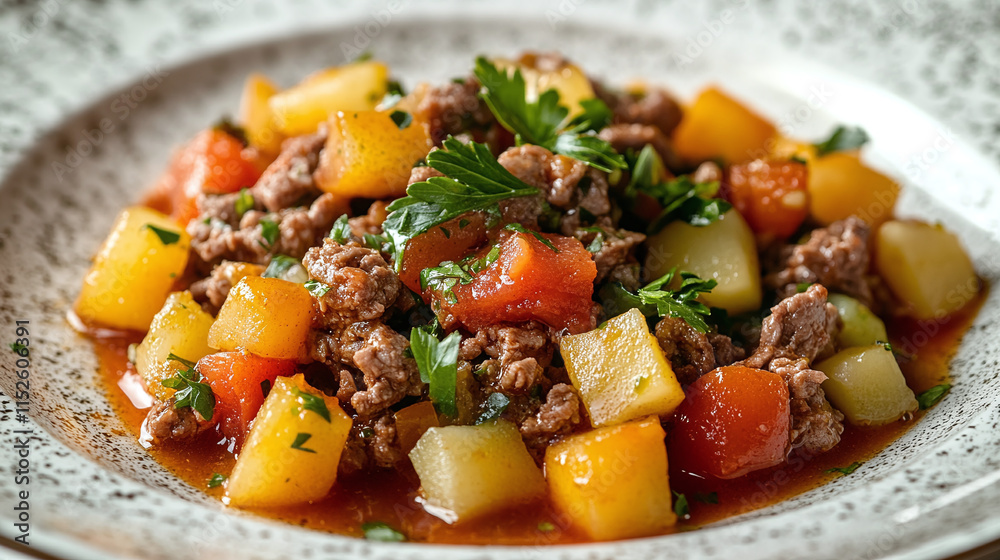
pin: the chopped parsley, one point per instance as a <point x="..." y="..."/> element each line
<point x="797" y="159"/>
<point x="437" y="361"/>
<point x="544" y="122"/>
<point x="300" y="440"/>
<point x="279" y="265"/>
<point x="653" y="300"/>
<point x="244" y="202"/>
<point x="842" y="138"/>
<point x="844" y="470"/>
<point x="216" y="480"/>
<point x="402" y="119"/>
<point x="443" y="278"/>
<point x="269" y="231"/>
<point x="521" y="229"/>
<point x="18" y="348"/>
<point x="802" y="287"/>
<point x="189" y="391"/>
<point x="376" y="242"/>
<point x="379" y="531"/>
<point x="545" y="526"/>
<point x="474" y="181"/>
<point x="317" y="288"/>
<point x="312" y="403"/>
<point x="494" y="406"/>
<point x="932" y="396"/>
<point x="341" y="231"/>
<point x="238" y="132"/>
<point x="166" y="236"/>
<point x="885" y="345"/>
<point x="681" y="507"/>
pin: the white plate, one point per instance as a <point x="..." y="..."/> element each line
<point x="95" y="494"/>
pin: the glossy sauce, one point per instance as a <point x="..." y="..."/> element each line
<point x="392" y="497"/>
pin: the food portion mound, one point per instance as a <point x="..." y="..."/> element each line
<point x="521" y="286"/>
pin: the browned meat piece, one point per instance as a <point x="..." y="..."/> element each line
<point x="654" y="107"/>
<point x="370" y="222"/>
<point x="220" y="209"/>
<point x="816" y="426"/>
<point x="422" y="173"/>
<point x="453" y="108"/>
<point x="726" y="353"/>
<point x="389" y="375"/>
<point x="558" y="416"/>
<point x="800" y="326"/>
<point x="635" y="136"/>
<point x="164" y="422"/>
<point x="688" y="350"/>
<point x="362" y="285"/>
<point x="212" y="292"/>
<point x="836" y="257"/>
<point x="298" y="230"/>
<point x="615" y="259"/>
<point x="288" y="181"/>
<point x="522" y="353"/>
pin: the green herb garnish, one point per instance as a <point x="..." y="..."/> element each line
<point x="437" y="361"/>
<point x="521" y="229"/>
<point x="341" y="231"/>
<point x="269" y="231"/>
<point x="378" y="531"/>
<point x="844" y="470"/>
<point x="443" y="278"/>
<point x="300" y="440"/>
<point x="166" y="236"/>
<point x="189" y="391"/>
<point x="311" y="402"/>
<point x="802" y="287"/>
<point x="402" y="119"/>
<point x="18" y="348"/>
<point x="545" y="526"/>
<point x="238" y="132"/>
<point x="317" y="288"/>
<point x="216" y="480"/>
<point x="842" y="138"/>
<point x="681" y="507"/>
<point x="494" y="406"/>
<point x="681" y="303"/>
<point x="244" y="202"/>
<point x="279" y="265"/>
<point x="932" y="396"/>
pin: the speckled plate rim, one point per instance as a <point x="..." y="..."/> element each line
<point x="958" y="541"/>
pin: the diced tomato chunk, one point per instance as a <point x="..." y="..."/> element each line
<point x="529" y="281"/>
<point x="733" y="420"/>
<point x="450" y="241"/>
<point x="772" y="196"/>
<point x="237" y="380"/>
<point x="213" y="162"/>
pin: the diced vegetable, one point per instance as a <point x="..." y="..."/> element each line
<point x="256" y="116"/>
<point x="180" y="328"/>
<point x="771" y="195"/>
<point x="450" y="241"/>
<point x="293" y="450"/>
<point x="134" y="270"/>
<point x="724" y="250"/>
<point x="612" y="482"/>
<point x="531" y="281"/>
<point x="412" y="422"/>
<point x="620" y="371"/>
<point x="866" y="384"/>
<point x="472" y="470"/>
<point x="861" y="326"/>
<point x="269" y="317"/>
<point x="239" y="381"/>
<point x="568" y="79"/>
<point x="734" y="420"/>
<point x="926" y="267"/>
<point x="354" y="87"/>
<point x="369" y="155"/>
<point x="718" y="126"/>
<point x="841" y="186"/>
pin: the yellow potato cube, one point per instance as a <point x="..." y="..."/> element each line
<point x="292" y="452"/>
<point x="256" y="116"/>
<point x="368" y="155"/>
<point x="354" y="87"/>
<point x="926" y="267"/>
<point x="268" y="317"/>
<point x="468" y="471"/>
<point x="718" y="126"/>
<point x="134" y="270"/>
<point x="866" y="384"/>
<point x="180" y="328"/>
<point x="620" y="371"/>
<point x="724" y="250"/>
<point x="567" y="79"/>
<point x="861" y="326"/>
<point x="613" y="482"/>
<point x="841" y="186"/>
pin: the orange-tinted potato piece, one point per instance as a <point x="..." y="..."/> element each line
<point x="734" y="420"/>
<point x="772" y="196"/>
<point x="718" y="126"/>
<point x="451" y="241"/>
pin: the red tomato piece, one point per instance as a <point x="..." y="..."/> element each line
<point x="450" y="241"/>
<point x="235" y="378"/>
<point x="213" y="162"/>
<point x="530" y="281"/>
<point x="771" y="195"/>
<point x="733" y="420"/>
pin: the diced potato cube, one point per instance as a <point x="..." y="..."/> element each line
<point x="926" y="267"/>
<point x="412" y="422"/>
<point x="568" y="79"/>
<point x="620" y="371"/>
<point x="861" y="326"/>
<point x="180" y="328"/>
<point x="613" y="482"/>
<point x="256" y="116"/>
<point x="368" y="155"/>
<point x="268" y="317"/>
<point x="724" y="250"/>
<point x="841" y="186"/>
<point x="354" y="87"/>
<point x="718" y="126"/>
<point x="467" y="471"/>
<point x="866" y="384"/>
<point x="292" y="452"/>
<point x="134" y="270"/>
